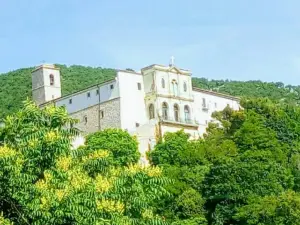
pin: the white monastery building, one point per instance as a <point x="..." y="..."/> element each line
<point x="157" y="100"/>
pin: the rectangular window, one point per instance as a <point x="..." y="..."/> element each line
<point x="204" y="102"/>
<point x="88" y="94"/>
<point x="111" y="86"/>
<point x="70" y="101"/>
<point x="139" y="86"/>
<point x="101" y="114"/>
<point x="137" y="124"/>
<point x="97" y="92"/>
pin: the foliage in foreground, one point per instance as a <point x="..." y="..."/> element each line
<point x="243" y="172"/>
<point x="43" y="181"/>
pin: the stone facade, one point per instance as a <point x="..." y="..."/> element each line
<point x="111" y="114"/>
<point x="108" y="113"/>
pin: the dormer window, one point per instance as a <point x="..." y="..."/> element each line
<point x="51" y="77"/>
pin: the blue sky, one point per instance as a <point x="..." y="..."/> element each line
<point x="216" y="39"/>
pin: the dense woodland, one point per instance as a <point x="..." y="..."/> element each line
<point x="244" y="171"/>
<point x="16" y="86"/>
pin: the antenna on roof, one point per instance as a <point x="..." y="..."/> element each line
<point x="172" y="61"/>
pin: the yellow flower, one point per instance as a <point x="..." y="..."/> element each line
<point x="59" y="194"/>
<point x="133" y="169"/>
<point x="33" y="143"/>
<point x="64" y="163"/>
<point x="154" y="171"/>
<point x="50" y="110"/>
<point x="110" y="206"/>
<point x="6" y="152"/>
<point x="41" y="185"/>
<point x="44" y="203"/>
<point x="78" y="180"/>
<point x="102" y="184"/>
<point x="147" y="214"/>
<point x="100" y="154"/>
<point x="48" y="176"/>
<point x="51" y="136"/>
<point x="115" y="172"/>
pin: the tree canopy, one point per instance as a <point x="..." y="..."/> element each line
<point x="44" y="181"/>
<point x="243" y="171"/>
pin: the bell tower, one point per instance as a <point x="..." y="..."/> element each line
<point x="46" y="84"/>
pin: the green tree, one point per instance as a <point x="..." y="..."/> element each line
<point x="283" y="209"/>
<point x="43" y="181"/>
<point x="183" y="163"/>
<point x="122" y="146"/>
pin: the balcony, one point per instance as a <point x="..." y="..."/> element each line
<point x="180" y="122"/>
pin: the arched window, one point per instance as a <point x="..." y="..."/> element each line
<point x="187" y="114"/>
<point x="165" y="111"/>
<point x="163" y="84"/>
<point x="175" y="87"/>
<point x="176" y="112"/>
<point x="184" y="87"/>
<point x="151" y="111"/>
<point x="51" y="77"/>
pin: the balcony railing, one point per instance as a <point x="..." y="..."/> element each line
<point x="180" y="121"/>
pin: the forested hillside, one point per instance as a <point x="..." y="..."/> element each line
<point x="16" y="86"/>
<point x="253" y="88"/>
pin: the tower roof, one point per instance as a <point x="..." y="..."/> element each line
<point x="45" y="66"/>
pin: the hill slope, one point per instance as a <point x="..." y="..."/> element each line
<point x="16" y="86"/>
<point x="275" y="91"/>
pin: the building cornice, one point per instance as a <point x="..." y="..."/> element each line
<point x="167" y="69"/>
<point x="79" y="92"/>
<point x="175" y="97"/>
<point x="128" y="71"/>
<point x="216" y="94"/>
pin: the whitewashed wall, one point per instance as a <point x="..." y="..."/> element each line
<point x="42" y="91"/>
<point x="132" y="100"/>
<point x="169" y="77"/>
<point x="214" y="102"/>
<point x="80" y="100"/>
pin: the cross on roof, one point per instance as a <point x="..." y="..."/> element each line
<point x="172" y="61"/>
